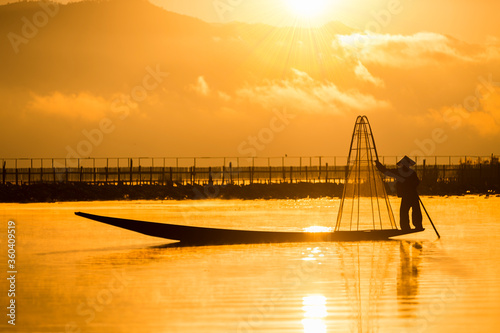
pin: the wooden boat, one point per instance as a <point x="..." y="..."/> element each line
<point x="188" y="235"/>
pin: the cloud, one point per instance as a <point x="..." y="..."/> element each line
<point x="301" y="92"/>
<point x="223" y="96"/>
<point x="420" y="49"/>
<point x="363" y="74"/>
<point x="82" y="105"/>
<point x="484" y="120"/>
<point x="201" y="86"/>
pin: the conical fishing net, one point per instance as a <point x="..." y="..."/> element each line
<point x="365" y="204"/>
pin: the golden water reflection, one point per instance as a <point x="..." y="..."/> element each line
<point x="408" y="276"/>
<point x="314" y="307"/>
<point x="407" y="285"/>
<point x="317" y="228"/>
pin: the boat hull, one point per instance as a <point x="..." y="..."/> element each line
<point x="188" y="235"/>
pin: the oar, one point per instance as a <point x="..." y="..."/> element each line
<point x="437" y="233"/>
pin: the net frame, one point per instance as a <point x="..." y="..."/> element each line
<point x="364" y="196"/>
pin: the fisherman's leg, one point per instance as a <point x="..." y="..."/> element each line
<point x="416" y="213"/>
<point x="404" y="219"/>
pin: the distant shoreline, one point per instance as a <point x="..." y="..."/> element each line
<point x="59" y="192"/>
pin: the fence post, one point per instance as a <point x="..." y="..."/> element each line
<point x="106" y="171"/>
<point x="300" y="169"/>
<point x="319" y="169"/>
<point x="231" y="172"/>
<point x="131" y="165"/>
<point x="118" y="169"/>
<point x="163" y="173"/>
<point x="139" y="181"/>
<point x="238" y="167"/>
<point x="291" y="174"/>
<point x="423" y="170"/>
<point x="29" y="171"/>
<point x="253" y="167"/>
<point x="210" y="179"/>
<point x="326" y="175"/>
<point x="177" y="170"/>
<point x="151" y="172"/>
<point x="163" y="177"/>
<point x="283" y="168"/>
<point x="193" y="174"/>
<point x="307" y="178"/>
<point x="53" y="173"/>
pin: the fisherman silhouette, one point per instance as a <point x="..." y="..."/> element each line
<point x="406" y="187"/>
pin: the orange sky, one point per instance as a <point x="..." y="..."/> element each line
<point x="129" y="79"/>
<point x="470" y="21"/>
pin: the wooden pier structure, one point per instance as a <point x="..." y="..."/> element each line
<point x="232" y="170"/>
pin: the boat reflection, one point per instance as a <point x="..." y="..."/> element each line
<point x="328" y="287"/>
<point x="315" y="312"/>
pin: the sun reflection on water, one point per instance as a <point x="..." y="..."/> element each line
<point x="317" y="228"/>
<point x="314" y="307"/>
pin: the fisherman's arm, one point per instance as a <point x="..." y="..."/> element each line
<point x="388" y="172"/>
<point x="383" y="169"/>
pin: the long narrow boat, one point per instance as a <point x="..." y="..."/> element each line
<point x="211" y="236"/>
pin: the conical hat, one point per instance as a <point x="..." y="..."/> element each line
<point x="406" y="161"/>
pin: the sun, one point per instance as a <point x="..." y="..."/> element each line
<point x="307" y="9"/>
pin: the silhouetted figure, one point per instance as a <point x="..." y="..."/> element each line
<point x="406" y="187"/>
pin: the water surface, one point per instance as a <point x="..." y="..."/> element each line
<point x="75" y="275"/>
